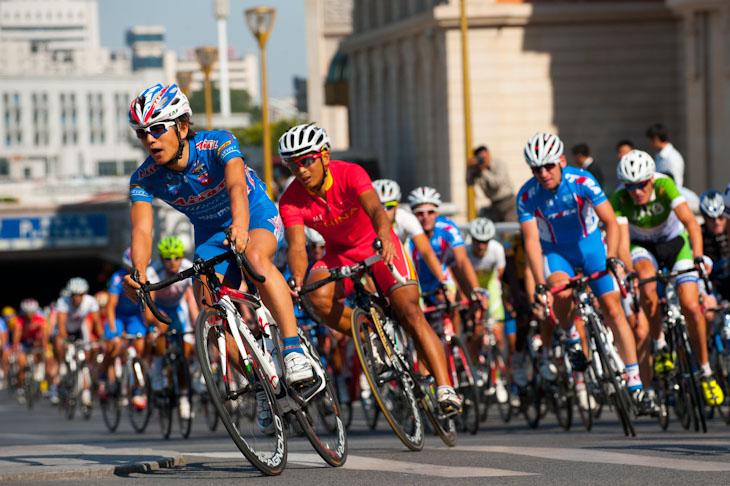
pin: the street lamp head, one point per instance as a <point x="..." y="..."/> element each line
<point x="184" y="78"/>
<point x="207" y="56"/>
<point x="261" y="21"/>
<point x="221" y="9"/>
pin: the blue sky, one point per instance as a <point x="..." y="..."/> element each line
<point x="190" y="23"/>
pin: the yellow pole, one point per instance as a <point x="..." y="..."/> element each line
<point x="208" y="100"/>
<point x="470" y="209"/>
<point x="266" y="129"/>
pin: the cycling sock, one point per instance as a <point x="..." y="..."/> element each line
<point x="445" y="387"/>
<point x="634" y="382"/>
<point x="292" y="345"/>
<point x="660" y="343"/>
<point x="706" y="370"/>
<point x="579" y="379"/>
<point x="573" y="336"/>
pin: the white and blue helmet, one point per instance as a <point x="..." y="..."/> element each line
<point x="157" y="104"/>
<point x="712" y="204"/>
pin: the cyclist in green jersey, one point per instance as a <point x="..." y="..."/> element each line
<point x="664" y="232"/>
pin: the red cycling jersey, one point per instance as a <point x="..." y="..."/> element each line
<point x="341" y="220"/>
<point x="32" y="328"/>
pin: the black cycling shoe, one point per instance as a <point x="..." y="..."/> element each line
<point x="577" y="359"/>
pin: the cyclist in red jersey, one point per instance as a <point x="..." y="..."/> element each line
<point x="337" y="199"/>
<point x="30" y="335"/>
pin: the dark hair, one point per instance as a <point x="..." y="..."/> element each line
<point x="479" y="149"/>
<point x="657" y="130"/>
<point x="624" y="141"/>
<point x="581" y="149"/>
<point x="185" y="118"/>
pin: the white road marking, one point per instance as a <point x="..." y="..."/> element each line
<point x="604" y="457"/>
<point x="385" y="465"/>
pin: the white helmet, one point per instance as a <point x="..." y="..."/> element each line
<point x="303" y="139"/>
<point x="157" y="104"/>
<point x="387" y="189"/>
<point x="314" y="237"/>
<point x="127" y="258"/>
<point x="424" y="195"/>
<point x="482" y="229"/>
<point x="636" y="166"/>
<point x="542" y="149"/>
<point x="29" y="306"/>
<point x="77" y="286"/>
<point x="712" y="204"/>
<point x="726" y="199"/>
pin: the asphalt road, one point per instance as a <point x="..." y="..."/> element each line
<point x="499" y="454"/>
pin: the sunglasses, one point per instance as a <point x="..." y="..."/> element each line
<point x="425" y="211"/>
<point x="168" y="259"/>
<point x="548" y="167"/>
<point x="479" y="242"/>
<point x="390" y="205"/>
<point x="155" y="130"/>
<point x="302" y="162"/>
<point x="638" y="185"/>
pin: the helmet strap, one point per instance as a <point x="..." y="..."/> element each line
<point x="325" y="172"/>
<point x="180" y="147"/>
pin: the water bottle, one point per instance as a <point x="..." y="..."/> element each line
<point x="726" y="327"/>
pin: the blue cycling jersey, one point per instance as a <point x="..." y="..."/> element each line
<point x="566" y="215"/>
<point x="199" y="191"/>
<point x="125" y="307"/>
<point x="445" y="237"/>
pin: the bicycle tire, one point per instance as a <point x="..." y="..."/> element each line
<point x="611" y="375"/>
<point x="531" y="394"/>
<point x="465" y="384"/>
<point x="111" y="411"/>
<point x="499" y="370"/>
<point x="662" y="397"/>
<point x="586" y="414"/>
<point x="72" y="397"/>
<point x="320" y="418"/>
<point x="723" y="380"/>
<point x="164" y="401"/>
<point x="562" y="398"/>
<point x="689" y="362"/>
<point x="182" y="368"/>
<point x="28" y="387"/>
<point x="271" y="462"/>
<point x="138" y="417"/>
<point x="411" y="431"/>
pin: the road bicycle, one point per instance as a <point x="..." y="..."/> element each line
<point x="382" y="346"/>
<point x="176" y="384"/>
<point x="131" y="378"/>
<point x="75" y="377"/>
<point x="258" y="362"/>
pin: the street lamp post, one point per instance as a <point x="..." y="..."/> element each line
<point x="206" y="58"/>
<point x="261" y="21"/>
<point x="470" y="209"/>
<point x="184" y="79"/>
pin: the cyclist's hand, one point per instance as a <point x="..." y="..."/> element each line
<point x="481" y="296"/>
<point x="295" y="285"/>
<point x="239" y="236"/>
<point x="131" y="287"/>
<point x="388" y="252"/>
<point x="705" y="262"/>
<point x="543" y="297"/>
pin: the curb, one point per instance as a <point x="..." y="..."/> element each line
<point x="96" y="471"/>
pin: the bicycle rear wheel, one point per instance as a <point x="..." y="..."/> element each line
<point x="689" y="368"/>
<point x="460" y="368"/>
<point x="267" y="452"/>
<point x="392" y="388"/>
<point x="183" y="373"/>
<point x="500" y="377"/>
<point x="111" y="410"/>
<point x="138" y="416"/>
<point x="320" y="419"/>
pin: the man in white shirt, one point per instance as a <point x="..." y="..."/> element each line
<point x="668" y="160"/>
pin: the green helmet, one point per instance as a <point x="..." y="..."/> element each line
<point x="171" y="247"/>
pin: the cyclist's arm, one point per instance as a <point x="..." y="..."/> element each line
<point x="533" y="249"/>
<point x="684" y="213"/>
<point x="142" y="219"/>
<point x="17" y="333"/>
<point x="96" y="322"/>
<point x="624" y="245"/>
<point x="464" y="270"/>
<point x="235" y="175"/>
<point x="62" y="318"/>
<point x="111" y="312"/>
<point x="370" y="202"/>
<point x="605" y="213"/>
<point x="193" y="310"/>
<point x="297" y="256"/>
<point x="423" y="247"/>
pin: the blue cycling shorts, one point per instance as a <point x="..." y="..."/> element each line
<point x="209" y="243"/>
<point x="132" y="324"/>
<point x="510" y="327"/>
<point x="589" y="255"/>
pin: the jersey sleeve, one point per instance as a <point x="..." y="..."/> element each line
<point x="666" y="188"/>
<point x="617" y="204"/>
<point x="591" y="189"/>
<point x="115" y="284"/>
<point x="501" y="258"/>
<point x="92" y="305"/>
<point x="140" y="188"/>
<point x="357" y="179"/>
<point x="408" y="222"/>
<point x="451" y="233"/>
<point x="291" y="215"/>
<point x="62" y="305"/>
<point x="525" y="211"/>
<point x="227" y="147"/>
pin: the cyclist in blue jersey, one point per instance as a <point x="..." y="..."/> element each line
<point x="204" y="176"/>
<point x="558" y="210"/>
<point x="448" y="245"/>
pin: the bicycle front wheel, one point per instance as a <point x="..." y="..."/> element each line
<point x="139" y="414"/>
<point x="263" y="445"/>
<point x="391" y="388"/>
<point x="460" y="367"/>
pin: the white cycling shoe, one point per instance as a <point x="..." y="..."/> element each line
<point x="298" y="368"/>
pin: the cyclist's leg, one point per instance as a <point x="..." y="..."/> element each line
<point x="645" y="265"/>
<point x="558" y="271"/>
<point x="327" y="300"/>
<point x="640" y="326"/>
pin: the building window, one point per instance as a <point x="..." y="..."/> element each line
<point x="130" y="166"/>
<point x="4" y="168"/>
<point x="107" y="168"/>
<point x="26" y="173"/>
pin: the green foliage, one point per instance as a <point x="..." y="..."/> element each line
<point x="240" y="102"/>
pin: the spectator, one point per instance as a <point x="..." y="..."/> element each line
<point x="623" y="147"/>
<point x="492" y="179"/>
<point x="668" y="160"/>
<point x="583" y="160"/>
